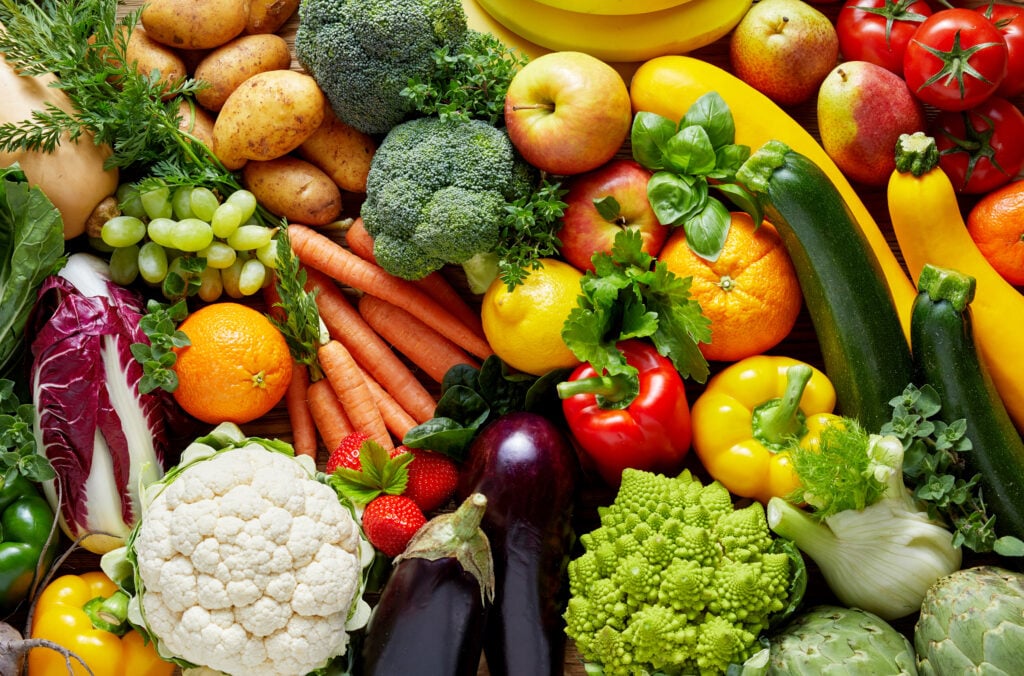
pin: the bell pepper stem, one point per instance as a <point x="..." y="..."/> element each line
<point x="611" y="388"/>
<point x="777" y="419"/>
<point x="110" y="613"/>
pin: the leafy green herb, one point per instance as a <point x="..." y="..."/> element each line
<point x="469" y="81"/>
<point x="378" y="474"/>
<point x="301" y="327"/>
<point x="688" y="160"/>
<point x="17" y="439"/>
<point x="934" y="469"/>
<point x="631" y="295"/>
<point x="160" y="324"/>
<point x="529" y="232"/>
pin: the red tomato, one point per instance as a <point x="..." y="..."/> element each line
<point x="955" y="60"/>
<point x="982" y="148"/>
<point x="879" y="30"/>
<point x="1009" y="19"/>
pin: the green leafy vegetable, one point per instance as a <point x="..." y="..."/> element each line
<point x="32" y="242"/>
<point x="17" y="439"/>
<point x="529" y="231"/>
<point x="631" y="295"/>
<point x="688" y="160"/>
<point x="160" y="324"/>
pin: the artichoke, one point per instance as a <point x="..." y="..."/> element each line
<point x="835" y="640"/>
<point x="972" y="622"/>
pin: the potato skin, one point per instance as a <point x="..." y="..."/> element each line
<point x="187" y="24"/>
<point x="148" y="55"/>
<point x="267" y="116"/>
<point x="342" y="151"/>
<point x="294" y="189"/>
<point x="235" y="62"/>
<point x="267" y="16"/>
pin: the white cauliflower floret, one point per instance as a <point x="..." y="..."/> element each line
<point x="248" y="565"/>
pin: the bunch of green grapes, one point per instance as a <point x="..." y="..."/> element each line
<point x="189" y="242"/>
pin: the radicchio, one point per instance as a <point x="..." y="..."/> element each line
<point x="103" y="437"/>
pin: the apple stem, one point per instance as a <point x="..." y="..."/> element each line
<point x="535" y="106"/>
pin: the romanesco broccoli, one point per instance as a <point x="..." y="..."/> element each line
<point x="437" y="192"/>
<point x="676" y="579"/>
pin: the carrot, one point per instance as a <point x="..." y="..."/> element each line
<point x="304" y="432"/>
<point x="345" y="324"/>
<point x="348" y="382"/>
<point x="322" y="253"/>
<point x="434" y="285"/>
<point x="328" y="414"/>
<point x="396" y="418"/>
<point x="429" y="350"/>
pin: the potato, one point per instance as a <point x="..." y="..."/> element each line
<point x="196" y="121"/>
<point x="342" y="151"/>
<point x="187" y="24"/>
<point x="294" y="189"/>
<point x="268" y="116"/>
<point x="267" y="16"/>
<point x="148" y="55"/>
<point x="232" y="64"/>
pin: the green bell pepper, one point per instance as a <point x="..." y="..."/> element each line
<point x="26" y="521"/>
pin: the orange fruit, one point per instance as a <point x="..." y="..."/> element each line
<point x="237" y="367"/>
<point x="996" y="224"/>
<point x="751" y="293"/>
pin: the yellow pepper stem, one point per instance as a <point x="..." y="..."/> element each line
<point x="777" y="420"/>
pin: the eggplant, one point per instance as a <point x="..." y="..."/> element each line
<point x="527" y="468"/>
<point x="431" y="613"/>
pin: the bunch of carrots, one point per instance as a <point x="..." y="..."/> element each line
<point x="361" y="379"/>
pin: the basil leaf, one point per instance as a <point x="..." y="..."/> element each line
<point x="711" y="113"/>
<point x="706" y="231"/>
<point x="690" y="151"/>
<point x="649" y="137"/>
<point x="674" y="198"/>
<point x="743" y="200"/>
<point x="728" y="160"/>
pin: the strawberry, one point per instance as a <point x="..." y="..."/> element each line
<point x="347" y="452"/>
<point x="432" y="477"/>
<point x="390" y="521"/>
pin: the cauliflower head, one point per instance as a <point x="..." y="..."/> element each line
<point x="246" y="564"/>
<point x="676" y="580"/>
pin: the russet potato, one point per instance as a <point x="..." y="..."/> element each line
<point x="267" y="116"/>
<point x="231" y="64"/>
<point x="294" y="189"/>
<point x="342" y="151"/>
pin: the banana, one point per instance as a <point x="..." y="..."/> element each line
<point x="632" y="37"/>
<point x="612" y="7"/>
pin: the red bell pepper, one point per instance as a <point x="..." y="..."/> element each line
<point x="616" y="430"/>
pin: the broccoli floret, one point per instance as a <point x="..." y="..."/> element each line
<point x="675" y="579"/>
<point x="363" y="53"/>
<point x="437" y="191"/>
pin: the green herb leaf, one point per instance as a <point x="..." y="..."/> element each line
<point x="17" y="438"/>
<point x="301" y="325"/>
<point x="649" y="138"/>
<point x="529" y="231"/>
<point x="160" y="324"/>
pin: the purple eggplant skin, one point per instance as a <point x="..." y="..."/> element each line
<point x="429" y="621"/>
<point x="528" y="470"/>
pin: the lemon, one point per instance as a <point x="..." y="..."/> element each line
<point x="524" y="326"/>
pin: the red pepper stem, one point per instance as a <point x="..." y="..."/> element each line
<point x="778" y="419"/>
<point x="612" y="388"/>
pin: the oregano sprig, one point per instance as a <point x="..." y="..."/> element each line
<point x="160" y="324"/>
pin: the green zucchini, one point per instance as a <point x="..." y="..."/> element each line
<point x="864" y="349"/>
<point x="942" y="339"/>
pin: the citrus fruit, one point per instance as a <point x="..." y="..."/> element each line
<point x="524" y="326"/>
<point x="996" y="224"/>
<point x="237" y="367"/>
<point x="751" y="293"/>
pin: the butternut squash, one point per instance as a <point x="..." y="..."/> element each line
<point x="669" y="85"/>
<point x="930" y="228"/>
<point x="72" y="176"/>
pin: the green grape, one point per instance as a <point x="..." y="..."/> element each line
<point x="124" y="264"/>
<point x="181" y="203"/>
<point x="129" y="201"/>
<point x="123" y="231"/>
<point x="192" y="234"/>
<point x="218" y="255"/>
<point x="97" y="244"/>
<point x="229" y="277"/>
<point x="268" y="254"/>
<point x="251" y="277"/>
<point x="249" y="237"/>
<point x="152" y="262"/>
<point x="204" y="203"/>
<point x="226" y="219"/>
<point x="245" y="201"/>
<point x="210" y="286"/>
<point x="161" y="231"/>
<point x="157" y="202"/>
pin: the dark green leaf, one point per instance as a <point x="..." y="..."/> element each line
<point x="675" y="198"/>
<point x="690" y="152"/>
<point x="706" y="231"/>
<point x="649" y="138"/>
<point x="607" y="207"/>
<point x="711" y="113"/>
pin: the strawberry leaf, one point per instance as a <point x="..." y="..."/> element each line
<point x="379" y="473"/>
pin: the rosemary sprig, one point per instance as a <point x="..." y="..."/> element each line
<point x="301" y="325"/>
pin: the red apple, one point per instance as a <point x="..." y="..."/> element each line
<point x="567" y="112"/>
<point x="600" y="204"/>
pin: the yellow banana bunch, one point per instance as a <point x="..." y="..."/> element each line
<point x="628" y="37"/>
<point x="613" y="7"/>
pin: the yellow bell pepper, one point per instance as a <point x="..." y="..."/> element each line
<point x="61" y="616"/>
<point x="747" y="415"/>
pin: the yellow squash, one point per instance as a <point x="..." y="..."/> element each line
<point x="613" y="7"/>
<point x="930" y="228"/>
<point x="669" y="85"/>
<point x="633" y="37"/>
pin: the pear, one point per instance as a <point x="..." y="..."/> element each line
<point x="862" y="110"/>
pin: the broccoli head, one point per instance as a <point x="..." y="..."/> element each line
<point x="363" y="53"/>
<point x="437" y="191"/>
<point x="676" y="580"/>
